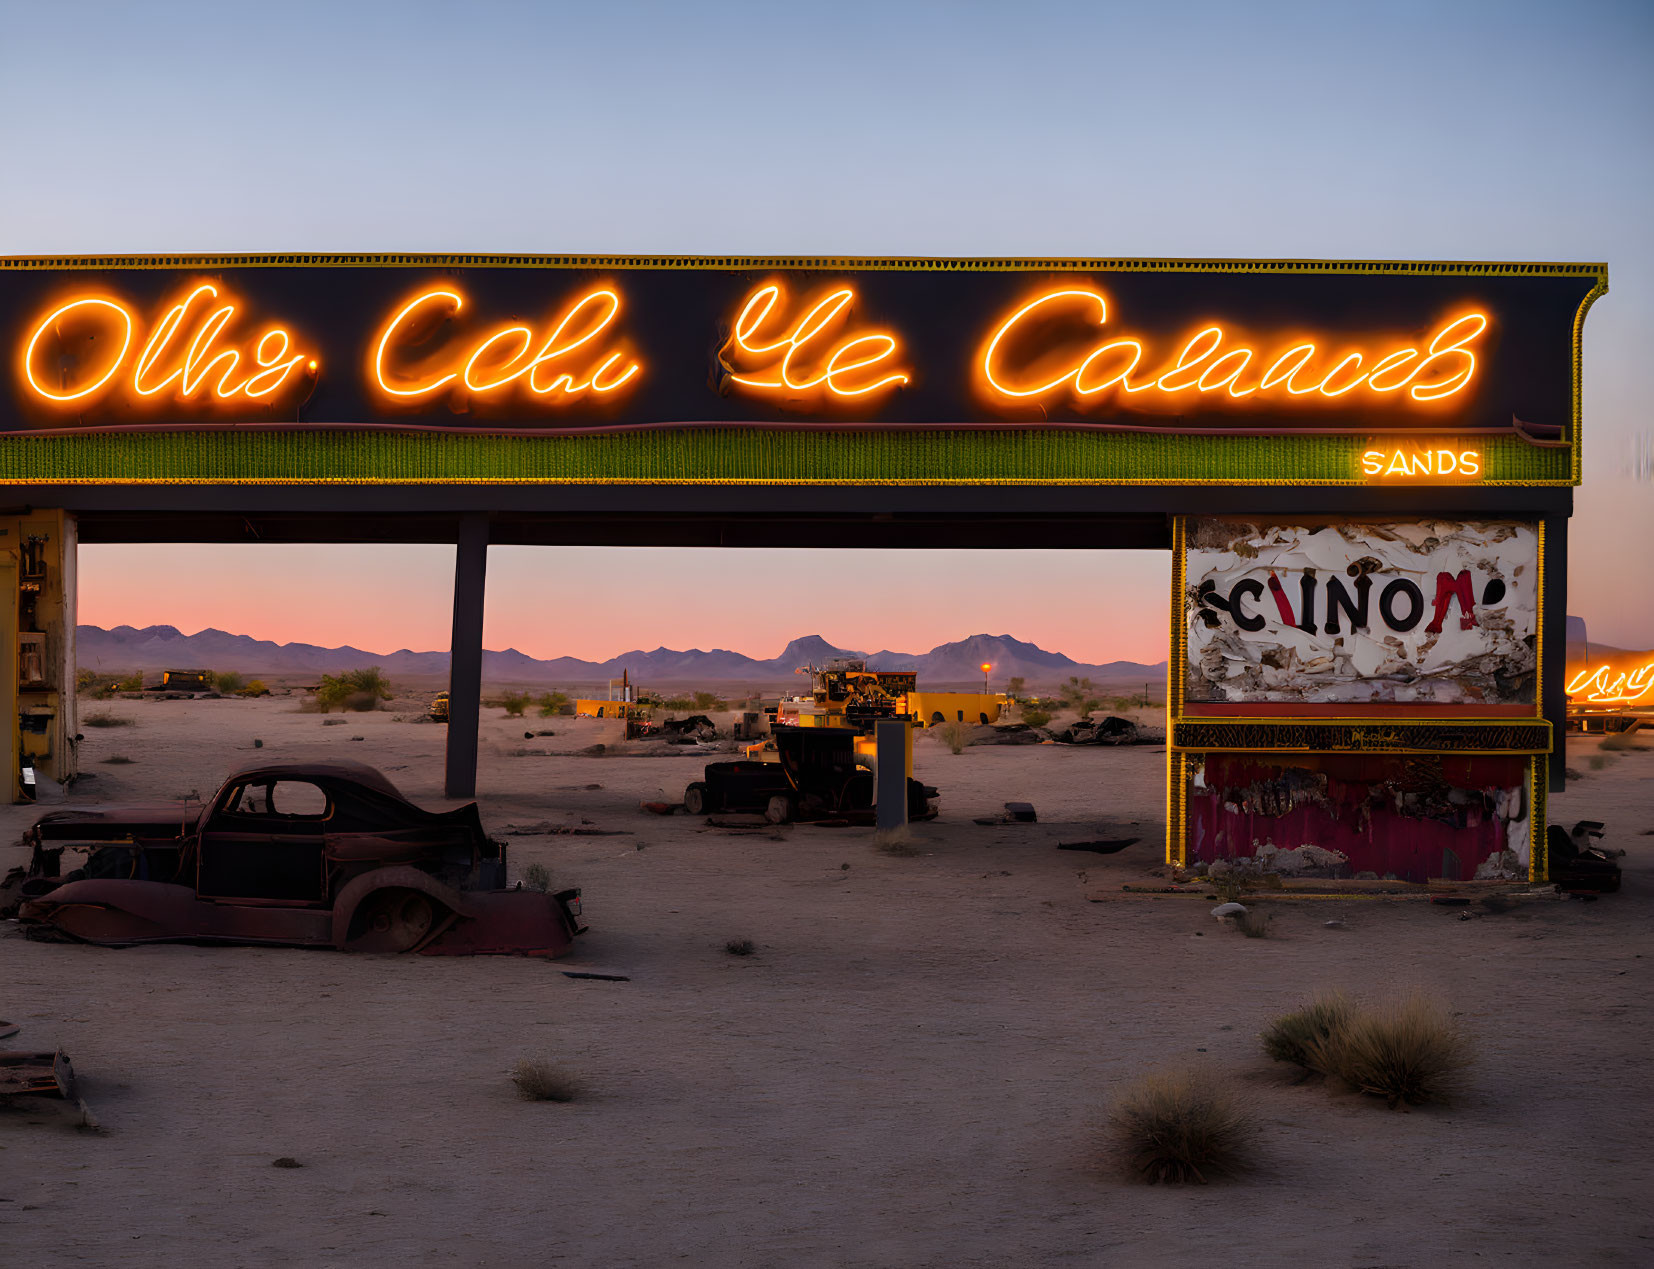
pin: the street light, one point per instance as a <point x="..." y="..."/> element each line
<point x="985" y="668"/>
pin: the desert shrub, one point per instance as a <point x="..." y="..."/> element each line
<point x="1622" y="741"/>
<point x="133" y="682"/>
<point x="1015" y="686"/>
<point x="740" y="947"/>
<point x="253" y="687"/>
<point x="954" y="735"/>
<point x="1079" y="695"/>
<point x="515" y="703"/>
<point x="1300" y="1037"/>
<point x="537" y="877"/>
<point x="554" y="703"/>
<point x="1254" y="923"/>
<point x="1035" y="717"/>
<point x="353" y="690"/>
<point x="227" y="682"/>
<point x="1407" y="1049"/>
<point x="679" y="702"/>
<point x="1229" y="887"/>
<point x="705" y="701"/>
<point x="104" y="718"/>
<point x="898" y="842"/>
<point x="541" y="1081"/>
<point x="1179" y="1125"/>
<point x="101" y="686"/>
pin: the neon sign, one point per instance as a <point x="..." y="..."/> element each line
<point x="187" y="355"/>
<point x="809" y="362"/>
<point x="504" y="356"/>
<point x="1422" y="462"/>
<point x="1054" y="361"/>
<point x="1414" y="369"/>
<point x="1601" y="687"/>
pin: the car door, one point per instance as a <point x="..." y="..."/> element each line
<point x="265" y="843"/>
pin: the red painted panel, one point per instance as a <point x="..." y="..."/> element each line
<point x="1388" y="813"/>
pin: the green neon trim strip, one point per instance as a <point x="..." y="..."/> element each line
<point x="732" y="456"/>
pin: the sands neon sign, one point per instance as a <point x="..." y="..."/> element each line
<point x="1603" y="687"/>
<point x="187" y="356"/>
<point x="1439" y="463"/>
<point x="1044" y="350"/>
<point x="571" y="361"/>
<point x="802" y="358"/>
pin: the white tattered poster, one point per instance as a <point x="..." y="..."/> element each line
<point x="1428" y="611"/>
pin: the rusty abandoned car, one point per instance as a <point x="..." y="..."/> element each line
<point x="323" y="854"/>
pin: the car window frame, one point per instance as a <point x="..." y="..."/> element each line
<point x="228" y="806"/>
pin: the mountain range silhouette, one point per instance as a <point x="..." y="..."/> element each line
<point x="125" y="649"/>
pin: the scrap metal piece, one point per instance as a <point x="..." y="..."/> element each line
<point x="1578" y="866"/>
<point x="1103" y="846"/>
<point x="1100" y="731"/>
<point x="23" y="1073"/>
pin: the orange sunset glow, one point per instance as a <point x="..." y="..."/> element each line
<point x="399" y="597"/>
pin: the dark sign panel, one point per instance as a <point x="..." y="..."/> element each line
<point x="551" y="344"/>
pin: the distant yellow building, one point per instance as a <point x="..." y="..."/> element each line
<point x="622" y="701"/>
<point x="930" y="708"/>
<point x="609" y="709"/>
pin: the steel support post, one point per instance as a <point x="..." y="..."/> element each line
<point x="465" y="657"/>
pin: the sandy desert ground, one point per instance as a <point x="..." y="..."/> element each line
<point x="911" y="1071"/>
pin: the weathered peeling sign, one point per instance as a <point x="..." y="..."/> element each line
<point x="1432" y="612"/>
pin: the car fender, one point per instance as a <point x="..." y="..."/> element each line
<point x="397" y="877"/>
<point x="106" y="910"/>
<point x="118" y="911"/>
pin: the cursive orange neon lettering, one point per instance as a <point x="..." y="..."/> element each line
<point x="188" y="350"/>
<point x="506" y="355"/>
<point x="1187" y="372"/>
<point x="809" y="362"/>
<point x="1602" y="686"/>
<point x="1022" y="359"/>
<point x="1454" y="354"/>
<point x="52" y="321"/>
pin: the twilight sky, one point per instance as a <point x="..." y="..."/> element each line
<point x="1440" y="131"/>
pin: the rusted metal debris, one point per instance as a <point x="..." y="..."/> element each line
<point x="545" y="828"/>
<point x="695" y="728"/>
<point x="324" y="854"/>
<point x="1099" y="731"/>
<point x="1102" y="846"/>
<point x="27" y="1074"/>
<point x="1014" y="813"/>
<point x="1577" y="865"/>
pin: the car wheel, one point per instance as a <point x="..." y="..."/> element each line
<point x="858" y="793"/>
<point x="694" y="799"/>
<point x="391" y="921"/>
